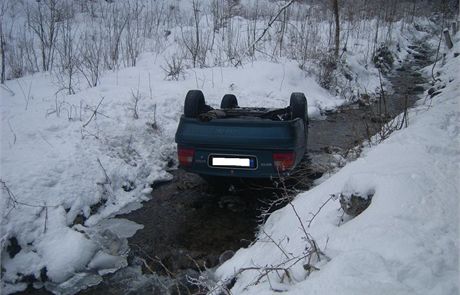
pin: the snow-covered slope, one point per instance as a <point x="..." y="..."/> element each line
<point x="405" y="242"/>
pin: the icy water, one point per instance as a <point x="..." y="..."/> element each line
<point x="190" y="225"/>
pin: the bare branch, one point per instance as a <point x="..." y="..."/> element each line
<point x="94" y="113"/>
<point x="270" y="23"/>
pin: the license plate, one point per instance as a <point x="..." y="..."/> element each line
<point x="233" y="162"/>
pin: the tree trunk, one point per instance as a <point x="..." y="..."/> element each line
<point x="2" y="51"/>
<point x="335" y="8"/>
<point x="448" y="39"/>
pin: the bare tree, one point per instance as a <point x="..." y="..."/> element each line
<point x="43" y="19"/>
<point x="69" y="59"/>
<point x="447" y="38"/>
<point x="335" y="8"/>
<point x="3" y="8"/>
<point x="2" y="52"/>
<point x="91" y="51"/>
<point x="115" y="20"/>
<point x="133" y="41"/>
<point x="191" y="40"/>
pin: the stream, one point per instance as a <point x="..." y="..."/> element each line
<point x="190" y="225"/>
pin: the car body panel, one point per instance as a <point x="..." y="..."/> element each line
<point x="241" y="137"/>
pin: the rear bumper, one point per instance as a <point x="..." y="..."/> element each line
<point x="264" y="159"/>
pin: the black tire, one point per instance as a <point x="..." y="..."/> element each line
<point x="194" y="103"/>
<point x="229" y="101"/>
<point x="299" y="107"/>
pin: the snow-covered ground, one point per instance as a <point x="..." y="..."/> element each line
<point x="405" y="242"/>
<point x="55" y="153"/>
<point x="71" y="163"/>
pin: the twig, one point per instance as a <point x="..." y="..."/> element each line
<point x="12" y="198"/>
<point x="277" y="244"/>
<point x="146" y="265"/>
<point x="6" y="88"/>
<point x="156" y="259"/>
<point x="319" y="209"/>
<point x="107" y="179"/>
<point x="150" y="88"/>
<point x="94" y="113"/>
<point x="87" y="107"/>
<point x="89" y="133"/>
<point x="11" y="129"/>
<point x="44" y="139"/>
<point x="404" y="118"/>
<point x="26" y="97"/>
<point x="299" y="219"/>
<point x="46" y="218"/>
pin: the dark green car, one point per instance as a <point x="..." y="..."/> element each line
<point x="241" y="142"/>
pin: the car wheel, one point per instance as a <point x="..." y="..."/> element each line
<point x="229" y="101"/>
<point x="298" y="106"/>
<point x="194" y="104"/>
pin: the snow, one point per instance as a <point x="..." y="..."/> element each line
<point x="123" y="228"/>
<point x="74" y="162"/>
<point x="51" y="149"/>
<point x="405" y="242"/>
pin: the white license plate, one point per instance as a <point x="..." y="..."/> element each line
<point x="232" y="162"/>
<point x="228" y="162"/>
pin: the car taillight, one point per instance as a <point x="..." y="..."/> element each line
<point x="185" y="156"/>
<point x="283" y="161"/>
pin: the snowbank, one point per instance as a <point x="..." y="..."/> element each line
<point x="70" y="163"/>
<point x="405" y="242"/>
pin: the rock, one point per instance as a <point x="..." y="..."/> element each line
<point x="128" y="185"/>
<point x="331" y="149"/>
<point x="354" y="204"/>
<point x="44" y="274"/>
<point x="80" y="219"/>
<point x="13" y="248"/>
<point x="245" y="243"/>
<point x="431" y="91"/>
<point x="188" y="181"/>
<point x="212" y="260"/>
<point x="435" y="93"/>
<point x="226" y="255"/>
